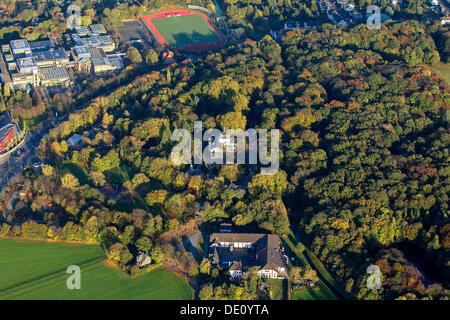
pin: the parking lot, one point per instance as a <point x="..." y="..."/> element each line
<point x="134" y="33"/>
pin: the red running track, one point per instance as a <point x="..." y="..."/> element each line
<point x="193" y="47"/>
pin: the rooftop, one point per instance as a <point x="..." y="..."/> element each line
<point x="41" y="45"/>
<point x="265" y="251"/>
<point x="27" y="62"/>
<point x="19" y="44"/>
<point x="82" y="30"/>
<point x="97" y="28"/>
<point x="54" y="73"/>
<point x="49" y="55"/>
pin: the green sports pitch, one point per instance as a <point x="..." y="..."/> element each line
<point x="181" y="31"/>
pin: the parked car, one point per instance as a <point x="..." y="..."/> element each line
<point x="38" y="164"/>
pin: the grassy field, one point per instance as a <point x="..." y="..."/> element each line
<point x="443" y="70"/>
<point x="279" y="289"/>
<point x="322" y="293"/>
<point x="36" y="270"/>
<point x="185" y="30"/>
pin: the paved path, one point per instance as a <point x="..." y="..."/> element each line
<point x="192" y="241"/>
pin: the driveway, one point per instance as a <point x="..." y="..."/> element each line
<point x="192" y="241"/>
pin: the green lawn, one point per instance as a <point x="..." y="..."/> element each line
<point x="185" y="30"/>
<point x="78" y="171"/>
<point x="322" y="293"/>
<point x="36" y="270"/>
<point x="444" y="71"/>
<point x="278" y="288"/>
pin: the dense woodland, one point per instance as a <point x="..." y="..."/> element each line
<point x="364" y="158"/>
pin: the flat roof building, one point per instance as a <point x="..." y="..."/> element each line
<point x="115" y="61"/>
<point x="9" y="57"/>
<point x="6" y="48"/>
<point x="21" y="80"/>
<point x="97" y="29"/>
<point x="82" y="52"/>
<point x="27" y="65"/>
<point x="20" y="46"/>
<point x="41" y="45"/>
<point x="54" y="76"/>
<point x="104" y="42"/>
<point x="50" y="58"/>
<point x="5" y="77"/>
<point x="82" y="30"/>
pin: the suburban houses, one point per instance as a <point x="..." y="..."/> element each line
<point x="240" y="251"/>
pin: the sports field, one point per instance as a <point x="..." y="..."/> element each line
<point x="180" y="31"/>
<point x="37" y="270"/>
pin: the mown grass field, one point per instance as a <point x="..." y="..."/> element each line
<point x="185" y="30"/>
<point x="321" y="293"/>
<point x="444" y="71"/>
<point x="279" y="289"/>
<point x="37" y="270"/>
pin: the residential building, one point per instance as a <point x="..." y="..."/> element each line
<point x="74" y="140"/>
<point x="143" y="260"/>
<point x="240" y="251"/>
<point x="445" y="20"/>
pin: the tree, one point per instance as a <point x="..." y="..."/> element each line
<point x="232" y="120"/>
<point x="69" y="181"/>
<point x="144" y="244"/>
<point x="91" y="229"/>
<point x="134" y="55"/>
<point x="97" y="178"/>
<point x="48" y="170"/>
<point x="231" y="172"/>
<point x="206" y="292"/>
<point x="157" y="254"/>
<point x="205" y="266"/>
<point x="156" y="197"/>
<point x="152" y="57"/>
<point x="6" y="90"/>
<point x="128" y="235"/>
